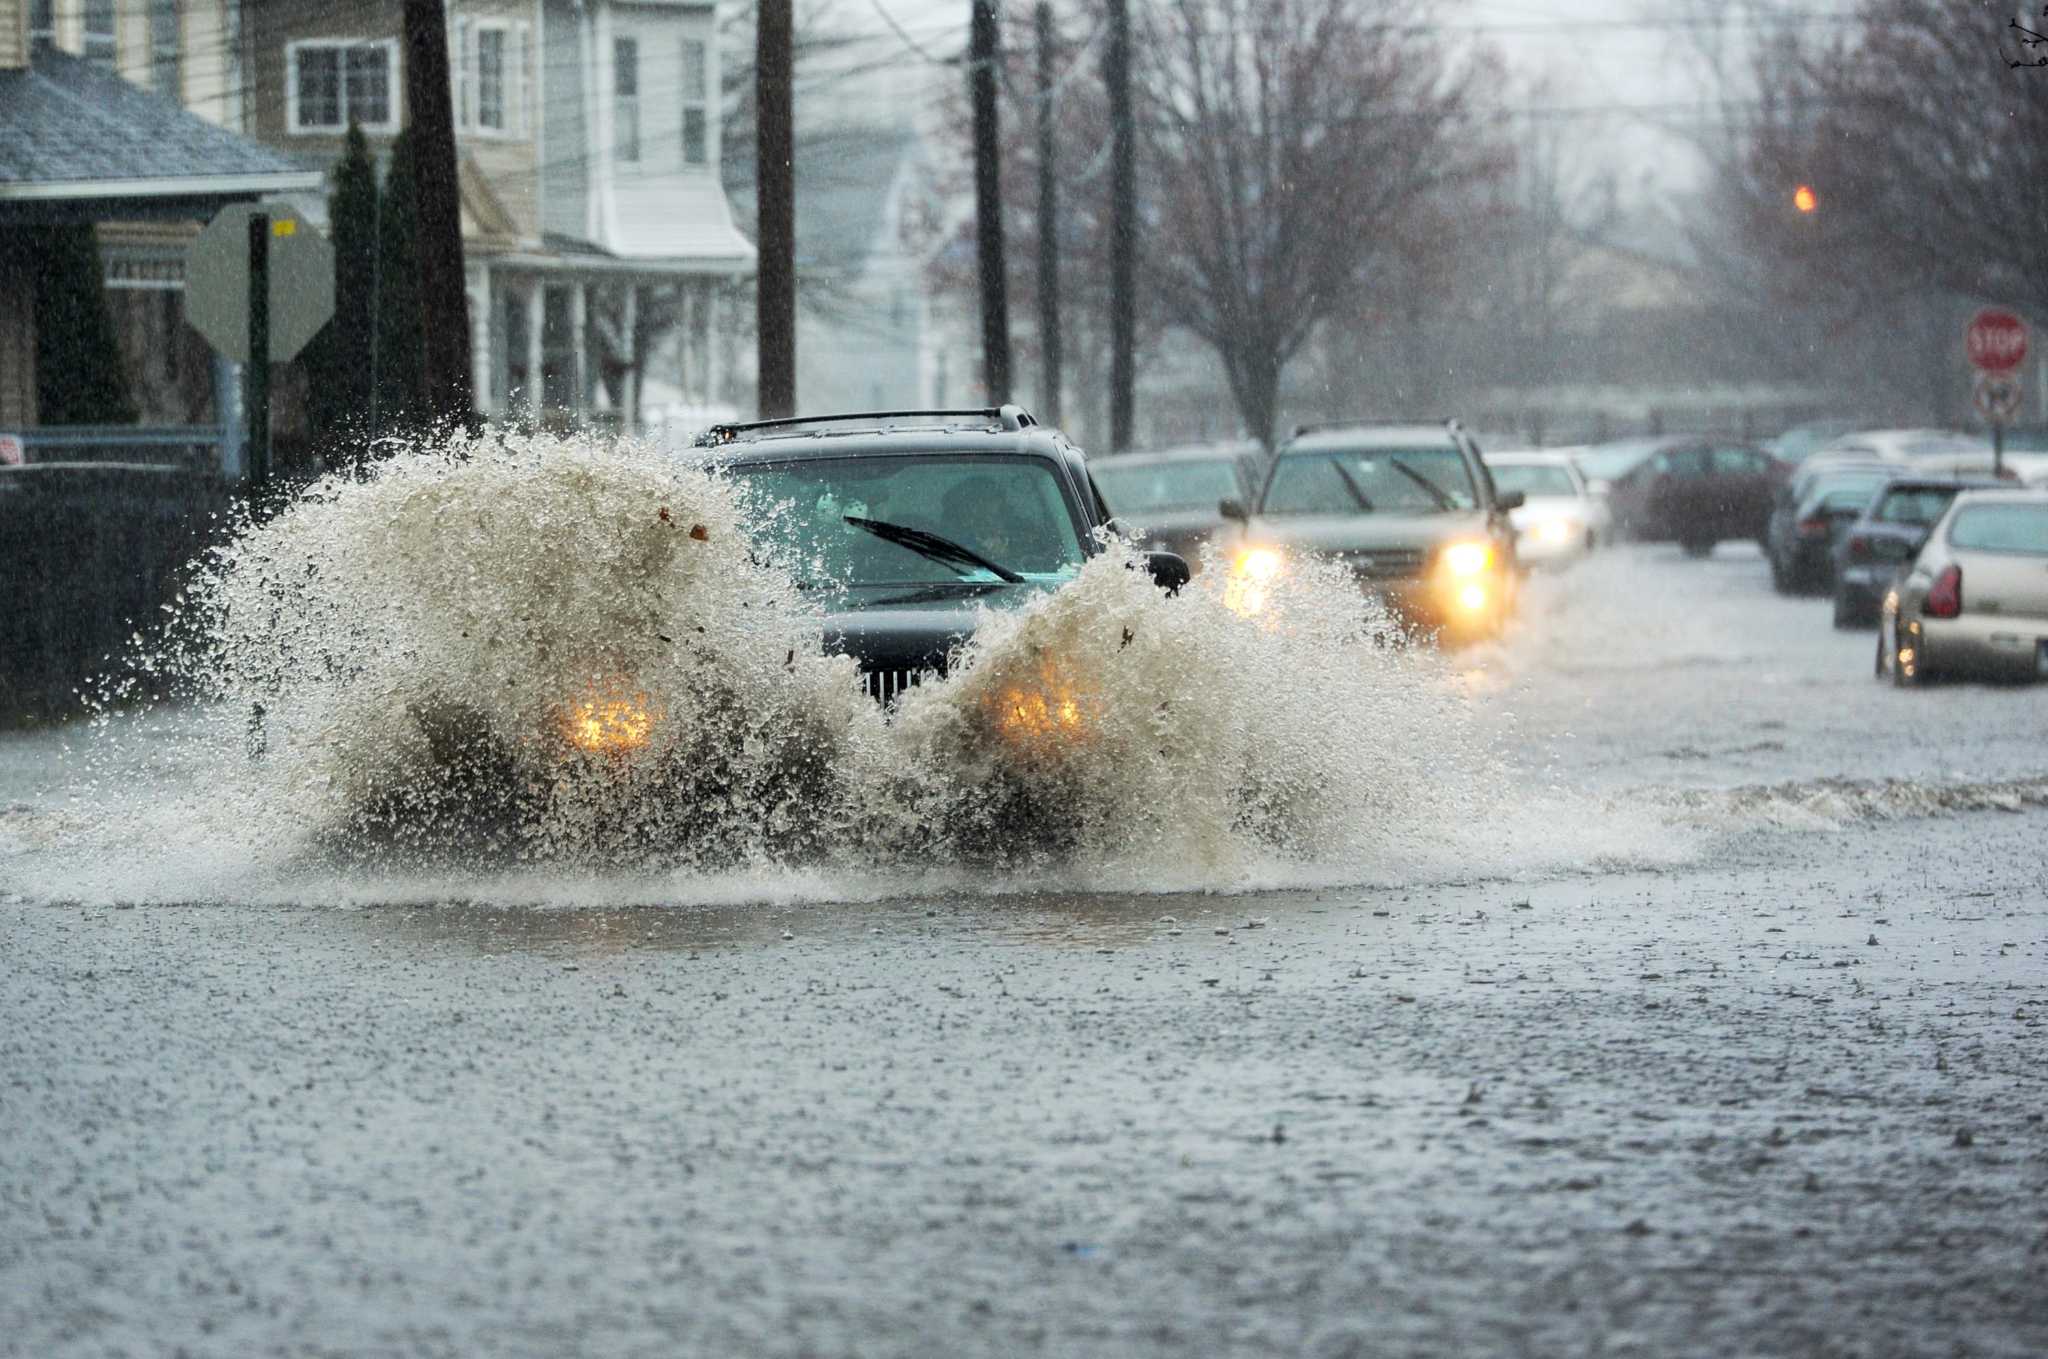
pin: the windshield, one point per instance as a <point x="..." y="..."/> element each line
<point x="1836" y="488"/>
<point x="1166" y="485"/>
<point x="1920" y="505"/>
<point x="2002" y="528"/>
<point x="1371" y="481"/>
<point x="1009" y="512"/>
<point x="1609" y="462"/>
<point x="1532" y="478"/>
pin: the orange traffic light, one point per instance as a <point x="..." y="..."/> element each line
<point x="1805" y="199"/>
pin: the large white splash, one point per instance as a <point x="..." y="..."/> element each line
<point x="532" y="654"/>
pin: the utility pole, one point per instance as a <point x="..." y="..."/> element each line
<point x="444" y="299"/>
<point x="1123" y="212"/>
<point x="775" y="188"/>
<point x="1048" y="229"/>
<point x="984" y="46"/>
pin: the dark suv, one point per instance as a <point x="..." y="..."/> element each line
<point x="912" y="518"/>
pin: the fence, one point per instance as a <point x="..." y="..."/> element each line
<point x="89" y="551"/>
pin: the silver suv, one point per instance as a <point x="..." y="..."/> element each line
<point x="1410" y="509"/>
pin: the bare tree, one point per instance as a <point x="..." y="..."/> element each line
<point x="1288" y="141"/>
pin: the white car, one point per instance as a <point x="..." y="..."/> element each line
<point x="1560" y="519"/>
<point x="1927" y="451"/>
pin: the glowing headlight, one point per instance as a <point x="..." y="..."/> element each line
<point x="1554" y="530"/>
<point x="1472" y="598"/>
<point x="1259" y="563"/>
<point x="608" y="724"/>
<point x="1467" y="559"/>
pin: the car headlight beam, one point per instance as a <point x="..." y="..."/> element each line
<point x="1467" y="559"/>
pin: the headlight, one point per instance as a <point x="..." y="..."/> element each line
<point x="1467" y="559"/>
<point x="608" y="724"/>
<point x="1259" y="564"/>
<point x="1554" y="530"/>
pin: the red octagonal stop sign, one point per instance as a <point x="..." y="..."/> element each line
<point x="1997" y="340"/>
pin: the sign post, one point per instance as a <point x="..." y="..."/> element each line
<point x="259" y="285"/>
<point x="258" y="393"/>
<point x="1996" y="341"/>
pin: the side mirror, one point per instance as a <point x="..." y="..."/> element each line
<point x="1230" y="507"/>
<point x="1169" y="570"/>
<point x="1511" y="500"/>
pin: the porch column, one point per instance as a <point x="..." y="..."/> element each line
<point x="712" y="342"/>
<point x="580" y="325"/>
<point x="482" y="311"/>
<point x="629" y="415"/>
<point x="536" y="317"/>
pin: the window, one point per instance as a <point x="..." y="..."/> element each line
<point x="42" y="25"/>
<point x="1371" y="481"/>
<point x="1737" y="462"/>
<point x="626" y="99"/>
<point x="336" y="83"/>
<point x="99" y="32"/>
<point x="164" y="47"/>
<point x="696" y="104"/>
<point x="2001" y="528"/>
<point x="491" y="81"/>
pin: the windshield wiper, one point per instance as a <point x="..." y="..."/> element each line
<point x="962" y="589"/>
<point x="942" y="550"/>
<point x="1436" y="492"/>
<point x="1351" y="485"/>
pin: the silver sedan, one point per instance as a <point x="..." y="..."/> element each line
<point x="1975" y="600"/>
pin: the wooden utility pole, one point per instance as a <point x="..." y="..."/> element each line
<point x="1123" y="213"/>
<point x="444" y="299"/>
<point x="1048" y="229"/>
<point x="983" y="53"/>
<point x="775" y="186"/>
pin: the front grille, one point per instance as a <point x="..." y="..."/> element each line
<point x="886" y="686"/>
<point x="1389" y="563"/>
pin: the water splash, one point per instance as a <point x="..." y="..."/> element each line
<point x="535" y="654"/>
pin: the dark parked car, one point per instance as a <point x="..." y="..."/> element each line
<point x="1168" y="499"/>
<point x="1811" y="518"/>
<point x="1886" y="537"/>
<point x="1696" y="491"/>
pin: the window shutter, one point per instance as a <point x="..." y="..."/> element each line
<point x="460" y="69"/>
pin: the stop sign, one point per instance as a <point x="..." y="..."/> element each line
<point x="1997" y="340"/>
<point x="217" y="281"/>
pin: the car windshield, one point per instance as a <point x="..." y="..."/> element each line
<point x="1166" y="485"/>
<point x="1920" y="505"/>
<point x="1532" y="478"/>
<point x="1370" y="481"/>
<point x="900" y="520"/>
<point x="2002" y="528"/>
<point x="1857" y="486"/>
<point x="1609" y="462"/>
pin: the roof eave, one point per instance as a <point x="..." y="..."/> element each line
<point x="201" y="186"/>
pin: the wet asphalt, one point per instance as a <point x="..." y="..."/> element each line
<point x="1782" y="1097"/>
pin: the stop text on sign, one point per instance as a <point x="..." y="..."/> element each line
<point x="1996" y="340"/>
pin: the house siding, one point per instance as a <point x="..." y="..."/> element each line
<point x="566" y="171"/>
<point x="510" y="163"/>
<point x="13" y="34"/>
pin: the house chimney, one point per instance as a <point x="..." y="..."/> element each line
<point x="13" y="35"/>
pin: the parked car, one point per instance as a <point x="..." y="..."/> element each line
<point x="1697" y="491"/>
<point x="1559" y="519"/>
<point x="1976" y="599"/>
<point x="1604" y="464"/>
<point x="1887" y="536"/>
<point x="1409" y="508"/>
<point x="1933" y="451"/>
<point x="1168" y="499"/>
<point x="1812" y="518"/>
<point x="1795" y="445"/>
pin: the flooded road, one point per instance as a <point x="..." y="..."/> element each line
<point x="1731" y="1043"/>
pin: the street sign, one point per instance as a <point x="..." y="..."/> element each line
<point x="217" y="281"/>
<point x="1997" y="397"/>
<point x="1996" y="340"/>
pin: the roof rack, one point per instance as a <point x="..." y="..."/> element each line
<point x="1011" y="417"/>
<point x="1447" y="421"/>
